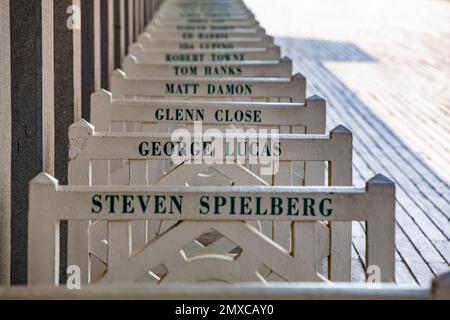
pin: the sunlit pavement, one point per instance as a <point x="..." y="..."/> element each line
<point x="384" y="69"/>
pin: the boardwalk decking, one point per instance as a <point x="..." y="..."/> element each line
<point x="384" y="69"/>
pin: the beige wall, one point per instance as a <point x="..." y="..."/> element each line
<point x="5" y="144"/>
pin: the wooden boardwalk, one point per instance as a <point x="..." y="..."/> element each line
<point x="383" y="67"/>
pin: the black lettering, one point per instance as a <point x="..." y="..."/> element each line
<point x="259" y="212"/>
<point x="112" y="203"/>
<point x="159" y="204"/>
<point x="245" y="206"/>
<point x="97" y="203"/>
<point x="143" y="149"/>
<point x="325" y="212"/>
<point x="291" y="209"/>
<point x="128" y="204"/>
<point x="159" y="114"/>
<point x="218" y="203"/>
<point x="156" y="148"/>
<point x="144" y="203"/>
<point x="204" y="205"/>
<point x="308" y="207"/>
<point x="276" y="206"/>
<point x="177" y="202"/>
<point x="170" y="88"/>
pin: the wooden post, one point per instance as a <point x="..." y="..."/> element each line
<point x="77" y="59"/>
<point x="77" y="237"/>
<point x="64" y="85"/>
<point x="143" y="15"/>
<point x="123" y="30"/>
<point x="341" y="174"/>
<point x="104" y="43"/>
<point x="148" y="11"/>
<point x="380" y="236"/>
<point x="43" y="253"/>
<point x="131" y="32"/>
<point x="48" y="86"/>
<point x="117" y="30"/>
<point x="126" y="24"/>
<point x="26" y="125"/>
<point x="111" y="38"/>
<point x="5" y="144"/>
<point x="137" y="21"/>
<point x="85" y="45"/>
<point x="97" y="45"/>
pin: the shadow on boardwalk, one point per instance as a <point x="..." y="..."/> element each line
<point x="423" y="197"/>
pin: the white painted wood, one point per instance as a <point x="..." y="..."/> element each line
<point x="147" y="41"/>
<point x="102" y="108"/>
<point x="43" y="235"/>
<point x="111" y="37"/>
<point x="123" y="231"/>
<point x="341" y="174"/>
<point x="105" y="110"/>
<point x="123" y="45"/>
<point x="154" y="27"/>
<point x="282" y="230"/>
<point x="237" y="173"/>
<point x="200" y="6"/>
<point x="278" y="291"/>
<point x="135" y="69"/>
<point x="230" y="15"/>
<point x="293" y="89"/>
<point x="97" y="45"/>
<point x="88" y="145"/>
<point x="97" y="146"/>
<point x="375" y="205"/>
<point x="305" y="245"/>
<point x="119" y="249"/>
<point x="77" y="88"/>
<point x="48" y="87"/>
<point x="381" y="234"/>
<point x="138" y="177"/>
<point x="215" y="34"/>
<point x="79" y="174"/>
<point x="154" y="54"/>
<point x="209" y="22"/>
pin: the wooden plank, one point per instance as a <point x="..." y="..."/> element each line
<point x="104" y="43"/>
<point x="374" y="205"/>
<point x="271" y="69"/>
<point x="87" y="46"/>
<point x="156" y="54"/>
<point x="229" y="89"/>
<point x="280" y="291"/>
